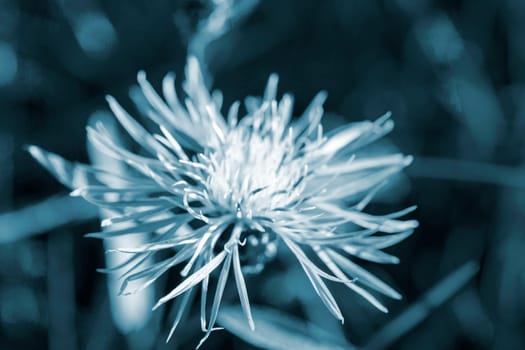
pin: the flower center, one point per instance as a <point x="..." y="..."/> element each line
<point x="252" y="174"/>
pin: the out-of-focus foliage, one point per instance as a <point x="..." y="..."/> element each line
<point x="452" y="73"/>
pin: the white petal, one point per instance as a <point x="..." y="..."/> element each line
<point x="73" y="175"/>
<point x="192" y="280"/>
<point x="241" y="288"/>
<point x="221" y="284"/>
<point x="337" y="271"/>
<point x="364" y="276"/>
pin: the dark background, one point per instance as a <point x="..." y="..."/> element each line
<point x="452" y="73"/>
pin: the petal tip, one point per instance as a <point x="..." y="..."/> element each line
<point x="141" y="76"/>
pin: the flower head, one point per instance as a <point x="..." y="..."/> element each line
<point x="224" y="194"/>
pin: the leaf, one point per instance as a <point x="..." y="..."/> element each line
<point x="278" y="331"/>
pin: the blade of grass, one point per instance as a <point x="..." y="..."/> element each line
<point x="420" y="310"/>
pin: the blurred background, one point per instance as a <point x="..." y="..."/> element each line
<point x="451" y="72"/>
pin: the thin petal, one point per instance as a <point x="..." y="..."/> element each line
<point x="364" y="276"/>
<point x="241" y="287"/>
<point x="337" y="271"/>
<point x="152" y="273"/>
<point x="223" y="278"/>
<point x="137" y="132"/>
<point x="184" y="302"/>
<point x="70" y="174"/>
<point x="147" y="227"/>
<point x="324" y="293"/>
<point x="192" y="280"/>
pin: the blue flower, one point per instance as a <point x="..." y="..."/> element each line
<point x="224" y="194"/>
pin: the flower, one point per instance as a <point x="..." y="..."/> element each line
<point x="224" y="194"/>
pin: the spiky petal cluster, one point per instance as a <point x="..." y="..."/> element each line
<point x="222" y="193"/>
